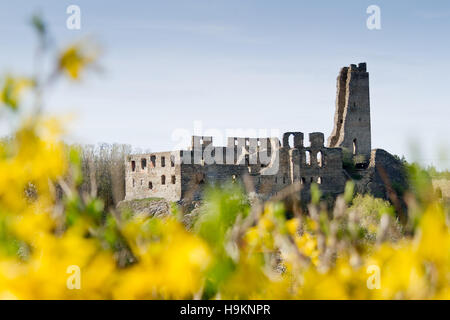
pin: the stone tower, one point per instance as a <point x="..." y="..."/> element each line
<point x="352" y="116"/>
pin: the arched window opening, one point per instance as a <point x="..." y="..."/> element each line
<point x="133" y="165"/>
<point x="163" y="161"/>
<point x="291" y="141"/>
<point x="200" y="178"/>
<point x="163" y="179"/>
<point x="153" y="161"/>
<point x="355" y="147"/>
<point x="308" y="157"/>
<point x="174" y="179"/>
<point x="319" y="159"/>
<point x="143" y="163"/>
<point x="150" y="185"/>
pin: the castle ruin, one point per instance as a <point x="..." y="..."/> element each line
<point x="270" y="164"/>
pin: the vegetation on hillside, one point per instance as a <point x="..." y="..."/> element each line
<point x="103" y="170"/>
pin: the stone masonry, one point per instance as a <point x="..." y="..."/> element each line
<point x="269" y="164"/>
<point x="352" y="116"/>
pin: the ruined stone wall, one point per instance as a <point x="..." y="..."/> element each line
<point x="352" y="116"/>
<point x="316" y="164"/>
<point x="196" y="177"/>
<point x="295" y="163"/>
<point x="270" y="166"/>
<point x="206" y="164"/>
<point x="153" y="175"/>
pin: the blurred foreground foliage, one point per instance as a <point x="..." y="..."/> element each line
<point x="234" y="251"/>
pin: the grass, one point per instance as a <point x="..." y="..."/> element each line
<point x="444" y="186"/>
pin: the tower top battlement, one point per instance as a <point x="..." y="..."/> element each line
<point x="361" y="67"/>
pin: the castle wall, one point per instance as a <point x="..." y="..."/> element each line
<point x="352" y="116"/>
<point x="322" y="166"/>
<point x="213" y="165"/>
<point x="317" y="164"/>
<point x="270" y="165"/>
<point x="196" y="177"/>
<point x="153" y="175"/>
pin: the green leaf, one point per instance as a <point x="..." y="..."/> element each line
<point x="349" y="191"/>
<point x="315" y="193"/>
<point x="39" y="25"/>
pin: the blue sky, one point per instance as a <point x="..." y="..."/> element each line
<point x="245" y="64"/>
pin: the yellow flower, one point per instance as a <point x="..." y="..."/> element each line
<point x="13" y="88"/>
<point x="171" y="261"/>
<point x="76" y="58"/>
<point x="292" y="226"/>
<point x="307" y="244"/>
<point x="434" y="236"/>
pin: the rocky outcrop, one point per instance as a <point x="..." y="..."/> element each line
<point x="158" y="207"/>
<point x="384" y="174"/>
<point x="152" y="207"/>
